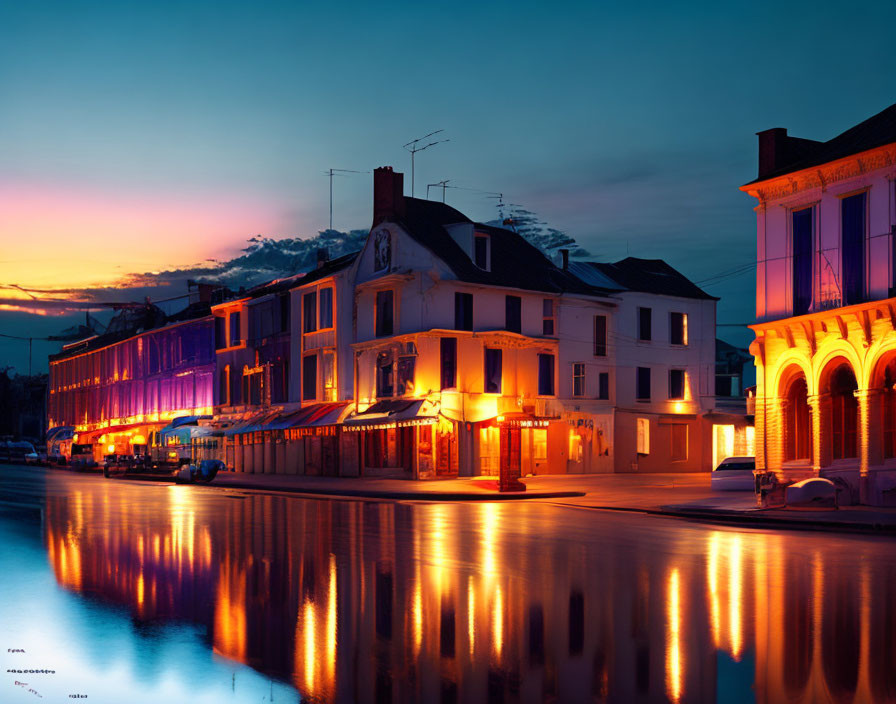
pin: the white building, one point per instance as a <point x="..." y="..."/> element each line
<point x="452" y="348"/>
<point x="474" y="350"/>
<point x="825" y="343"/>
<point x="660" y="367"/>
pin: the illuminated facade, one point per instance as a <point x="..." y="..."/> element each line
<point x="458" y="342"/>
<point x="117" y="388"/>
<point x="284" y="372"/>
<point x="825" y="343"/>
<point x="443" y="348"/>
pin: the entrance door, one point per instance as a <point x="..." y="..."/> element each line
<point x="329" y="456"/>
<point x="446" y="453"/>
<point x="509" y="477"/>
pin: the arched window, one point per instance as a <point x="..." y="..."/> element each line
<point x="844" y="413"/>
<point x="797" y="422"/>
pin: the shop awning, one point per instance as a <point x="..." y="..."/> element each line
<point x="187" y="420"/>
<point x="393" y="413"/>
<point x="87" y="437"/>
<point x="252" y="423"/>
<point x="60" y="432"/>
<point x="316" y="415"/>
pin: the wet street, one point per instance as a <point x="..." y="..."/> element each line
<point x="151" y="592"/>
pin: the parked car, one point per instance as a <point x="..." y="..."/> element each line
<point x="815" y="492"/>
<point x="734" y="474"/>
<point x="39" y="457"/>
<point x="15" y="451"/>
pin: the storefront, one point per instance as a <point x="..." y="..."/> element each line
<point x="519" y="439"/>
<point x="305" y="441"/>
<point x="589" y="442"/>
<point x="132" y="439"/>
<point x="406" y="439"/>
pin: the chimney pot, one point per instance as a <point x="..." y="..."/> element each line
<point x="564" y="259"/>
<point x="771" y="150"/>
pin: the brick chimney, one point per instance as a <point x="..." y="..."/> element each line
<point x="388" y="194"/>
<point x="772" y="150"/>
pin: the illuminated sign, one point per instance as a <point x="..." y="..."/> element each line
<point x="391" y="425"/>
<point x="523" y="422"/>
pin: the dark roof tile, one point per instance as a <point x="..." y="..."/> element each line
<point x="651" y="276"/>
<point x="515" y="263"/>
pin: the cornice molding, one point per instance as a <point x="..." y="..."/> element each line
<point x="823" y="175"/>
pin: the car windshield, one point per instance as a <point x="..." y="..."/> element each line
<point x="736" y="465"/>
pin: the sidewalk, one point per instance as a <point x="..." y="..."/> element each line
<point x="690" y="496"/>
<point x="466" y="489"/>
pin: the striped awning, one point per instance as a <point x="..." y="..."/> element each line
<point x="311" y="416"/>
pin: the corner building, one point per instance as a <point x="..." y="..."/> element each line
<point x="825" y="344"/>
<point x="457" y="347"/>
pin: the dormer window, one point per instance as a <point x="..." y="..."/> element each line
<point x="481" y="252"/>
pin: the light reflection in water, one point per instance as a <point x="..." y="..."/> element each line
<point x="673" y="639"/>
<point x="356" y="600"/>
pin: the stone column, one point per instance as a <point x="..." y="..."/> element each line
<point x="820" y="411"/>
<point x="868" y="441"/>
<point x="760" y="444"/>
<point x="776" y="410"/>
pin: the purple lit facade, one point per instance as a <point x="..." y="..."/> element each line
<point x="135" y="385"/>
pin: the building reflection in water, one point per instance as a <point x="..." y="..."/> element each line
<point x="358" y="601"/>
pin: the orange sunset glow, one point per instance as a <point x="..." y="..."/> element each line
<point x="59" y="237"/>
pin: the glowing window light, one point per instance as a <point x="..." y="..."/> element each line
<point x="110" y="448"/>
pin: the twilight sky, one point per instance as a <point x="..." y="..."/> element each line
<point x="142" y="136"/>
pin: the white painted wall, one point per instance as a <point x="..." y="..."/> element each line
<point x="697" y="358"/>
<point x="774" y="281"/>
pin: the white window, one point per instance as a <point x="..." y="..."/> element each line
<point x="578" y="379"/>
<point x="643" y="430"/>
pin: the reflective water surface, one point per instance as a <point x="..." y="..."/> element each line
<point x="175" y="593"/>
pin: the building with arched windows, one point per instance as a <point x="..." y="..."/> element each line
<point x="825" y="343"/>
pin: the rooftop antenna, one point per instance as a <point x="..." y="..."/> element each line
<point x="499" y="205"/>
<point x="338" y="172"/>
<point x="442" y="184"/>
<point x="414" y="146"/>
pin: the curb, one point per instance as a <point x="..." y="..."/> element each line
<point x="400" y="495"/>
<point x="761" y="521"/>
<point x="354" y="493"/>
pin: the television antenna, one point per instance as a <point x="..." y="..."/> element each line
<point x="441" y="184"/>
<point x="414" y="146"/>
<point x="444" y="185"/>
<point x="338" y="172"/>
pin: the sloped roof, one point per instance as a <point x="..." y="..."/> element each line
<point x="876" y="131"/>
<point x="287" y="283"/>
<point x="651" y="276"/>
<point x="194" y="311"/>
<point x="515" y="263"/>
